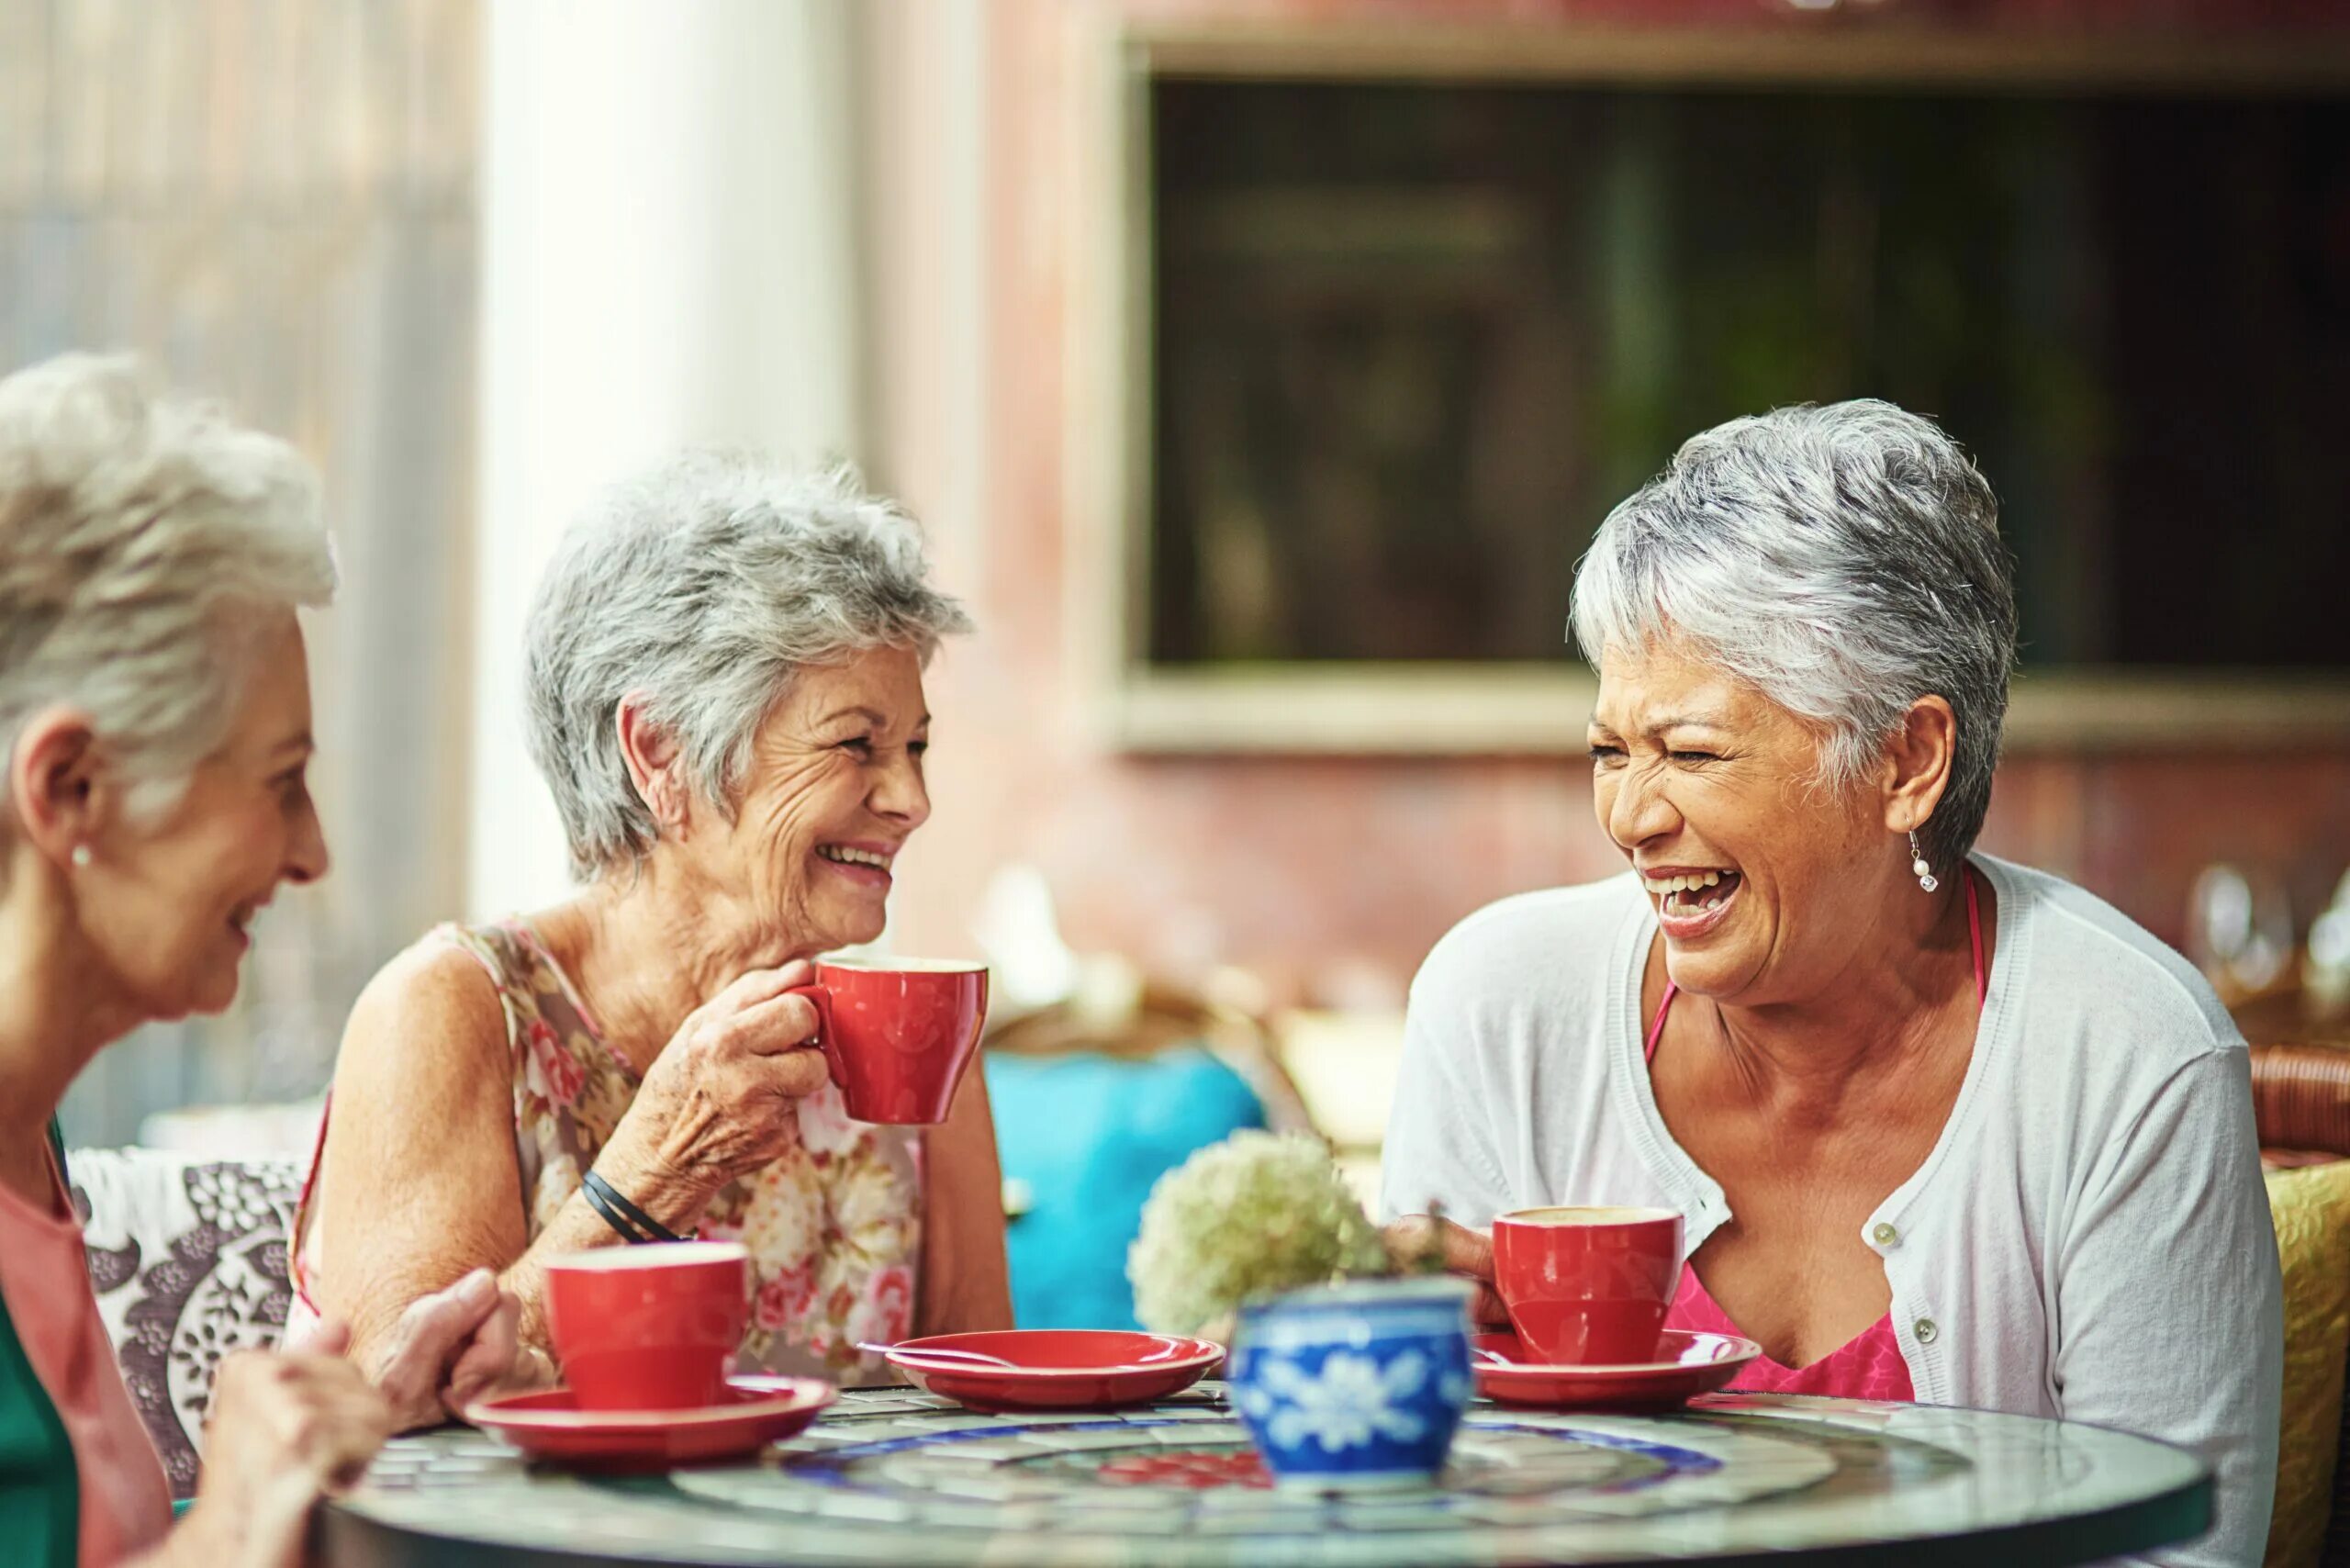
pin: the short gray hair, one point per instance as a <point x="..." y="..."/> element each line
<point x="700" y="589"/>
<point x="141" y="540"/>
<point x="1844" y="560"/>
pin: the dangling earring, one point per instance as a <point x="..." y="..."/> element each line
<point x="80" y="855"/>
<point x="1918" y="864"/>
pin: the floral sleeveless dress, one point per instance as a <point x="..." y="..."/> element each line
<point x="833" y="1228"/>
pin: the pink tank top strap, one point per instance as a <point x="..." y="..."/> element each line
<point x="1973" y="943"/>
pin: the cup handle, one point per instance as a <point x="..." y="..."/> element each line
<point x="823" y="1001"/>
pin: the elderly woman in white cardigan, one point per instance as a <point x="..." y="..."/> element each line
<point x="1942" y="1127"/>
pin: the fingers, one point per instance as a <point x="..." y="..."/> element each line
<point x="488" y="1357"/>
<point x="428" y="1337"/>
<point x="747" y="991"/>
<point x="777" y="1024"/>
<point x="1415" y="1238"/>
<point x="328" y="1420"/>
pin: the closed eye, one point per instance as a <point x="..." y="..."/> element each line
<point x="1604" y="753"/>
<point x="1693" y="756"/>
<point x="861" y="747"/>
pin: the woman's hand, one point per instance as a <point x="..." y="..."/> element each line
<point x="722" y="1098"/>
<point x="284" y="1430"/>
<point x="451" y="1347"/>
<point x="1411" y="1239"/>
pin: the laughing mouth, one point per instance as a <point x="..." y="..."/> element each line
<point x="849" y="854"/>
<point x="1691" y="893"/>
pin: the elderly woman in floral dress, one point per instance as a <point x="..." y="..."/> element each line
<point x="725" y="695"/>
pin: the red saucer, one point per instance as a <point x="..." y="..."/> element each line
<point x="756" y="1411"/>
<point x="1056" y="1369"/>
<point x="1687" y="1364"/>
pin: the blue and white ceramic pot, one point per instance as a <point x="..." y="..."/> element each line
<point x="1354" y="1387"/>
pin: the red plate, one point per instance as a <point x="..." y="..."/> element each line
<point x="1055" y="1369"/>
<point x="1687" y="1364"/>
<point x="756" y="1411"/>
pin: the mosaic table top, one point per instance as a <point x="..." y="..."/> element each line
<point x="897" y="1477"/>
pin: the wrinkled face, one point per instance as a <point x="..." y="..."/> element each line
<point x="167" y="904"/>
<point x="833" y="791"/>
<point x="1765" y="882"/>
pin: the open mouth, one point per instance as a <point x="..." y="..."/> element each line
<point x="1691" y="898"/>
<point x="866" y="863"/>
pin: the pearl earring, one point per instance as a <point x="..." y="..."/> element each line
<point x="80" y="855"/>
<point x="1925" y="873"/>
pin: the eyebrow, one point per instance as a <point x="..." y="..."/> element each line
<point x="870" y="716"/>
<point x="1670" y="722"/>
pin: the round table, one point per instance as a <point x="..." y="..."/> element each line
<point x="891" y="1476"/>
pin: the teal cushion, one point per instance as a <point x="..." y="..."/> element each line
<point x="1087" y="1135"/>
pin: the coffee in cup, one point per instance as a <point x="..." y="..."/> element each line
<point x="649" y="1327"/>
<point x="1588" y="1286"/>
<point x="898" y="1033"/>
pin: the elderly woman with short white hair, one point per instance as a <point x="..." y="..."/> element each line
<point x="725" y="695"/>
<point x="1942" y="1127"/>
<point x="155" y="705"/>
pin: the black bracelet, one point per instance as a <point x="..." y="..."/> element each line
<point x="623" y="1216"/>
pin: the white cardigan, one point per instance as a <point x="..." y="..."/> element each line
<point x="2089" y="1237"/>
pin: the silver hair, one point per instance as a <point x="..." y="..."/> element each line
<point x="143" y="540"/>
<point x="1843" y="559"/>
<point x="700" y="589"/>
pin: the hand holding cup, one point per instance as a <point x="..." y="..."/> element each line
<point x="722" y="1099"/>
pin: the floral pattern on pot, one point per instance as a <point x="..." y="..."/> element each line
<point x="1354" y="1386"/>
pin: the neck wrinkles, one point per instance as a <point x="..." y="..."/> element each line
<point x="645" y="950"/>
<point x="1888" y="999"/>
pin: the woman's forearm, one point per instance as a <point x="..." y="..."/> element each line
<point x="966" y="1282"/>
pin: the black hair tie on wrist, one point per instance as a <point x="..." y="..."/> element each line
<point x="633" y="1224"/>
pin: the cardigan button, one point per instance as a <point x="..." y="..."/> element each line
<point x="1886" y="1236"/>
<point x="1925" y="1330"/>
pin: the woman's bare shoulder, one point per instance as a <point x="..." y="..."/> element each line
<point x="431" y="1011"/>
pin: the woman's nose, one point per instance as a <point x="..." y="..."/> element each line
<point x="901" y="794"/>
<point x="1638" y="811"/>
<point x="305" y="852"/>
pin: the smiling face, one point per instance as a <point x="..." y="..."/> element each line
<point x="833" y="791"/>
<point x="1765" y="882"/>
<point x="166" y="905"/>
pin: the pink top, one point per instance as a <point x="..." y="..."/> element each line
<point x="1868" y="1366"/>
<point x="45" y="1283"/>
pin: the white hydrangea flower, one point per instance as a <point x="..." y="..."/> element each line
<point x="1257" y="1214"/>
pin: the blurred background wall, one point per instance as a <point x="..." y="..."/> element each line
<point x="277" y="204"/>
<point x="1330" y="875"/>
<point x="478" y="259"/>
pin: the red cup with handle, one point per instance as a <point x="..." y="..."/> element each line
<point x="1588" y="1286"/>
<point x="898" y="1033"/>
<point x="650" y="1327"/>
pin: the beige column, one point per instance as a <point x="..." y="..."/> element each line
<point x="669" y="233"/>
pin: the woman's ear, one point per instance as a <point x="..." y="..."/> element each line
<point x="1917" y="763"/>
<point x="54" y="784"/>
<point x="651" y="754"/>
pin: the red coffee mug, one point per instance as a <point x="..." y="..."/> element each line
<point x="1588" y="1286"/>
<point x="898" y="1033"/>
<point x="650" y="1327"/>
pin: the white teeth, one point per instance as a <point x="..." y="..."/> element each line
<point x="848" y="856"/>
<point x="1665" y="886"/>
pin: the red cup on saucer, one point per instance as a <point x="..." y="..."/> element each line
<point x="650" y="1327"/>
<point x="1588" y="1286"/>
<point x="898" y="1033"/>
